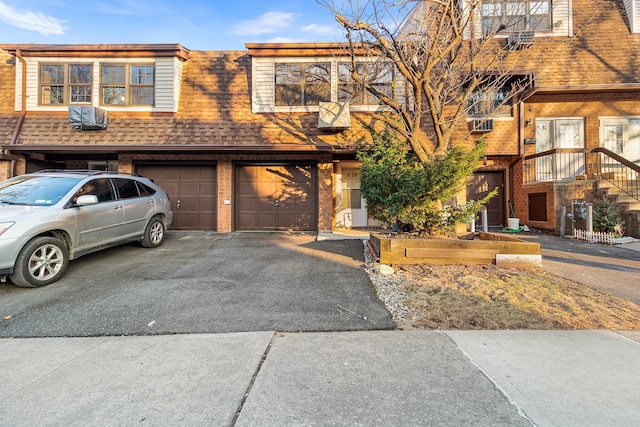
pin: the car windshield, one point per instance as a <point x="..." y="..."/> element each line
<point x="35" y="190"/>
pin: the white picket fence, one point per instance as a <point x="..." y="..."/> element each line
<point x="600" y="237"/>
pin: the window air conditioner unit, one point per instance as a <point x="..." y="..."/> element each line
<point x="88" y="118"/>
<point x="334" y="116"/>
<point x="482" y="125"/>
<point x="522" y="39"/>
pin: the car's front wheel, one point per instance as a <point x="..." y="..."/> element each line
<point x="153" y="234"/>
<point x="40" y="262"/>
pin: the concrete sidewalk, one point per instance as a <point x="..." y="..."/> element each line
<point x="381" y="378"/>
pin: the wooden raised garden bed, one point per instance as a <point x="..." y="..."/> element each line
<point x="489" y="248"/>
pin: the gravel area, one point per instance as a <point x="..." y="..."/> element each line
<point x="388" y="285"/>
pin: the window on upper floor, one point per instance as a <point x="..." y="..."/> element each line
<point x="516" y="15"/>
<point x="491" y="101"/>
<point x="379" y="74"/>
<point x="65" y="84"/>
<point x="127" y="84"/>
<point x="301" y="84"/>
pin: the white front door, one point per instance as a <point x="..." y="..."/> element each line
<point x="621" y="135"/>
<point x="351" y="207"/>
<point x="559" y="133"/>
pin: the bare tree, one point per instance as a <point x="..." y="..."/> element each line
<point x="449" y="60"/>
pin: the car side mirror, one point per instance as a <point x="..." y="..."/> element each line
<point x="87" y="200"/>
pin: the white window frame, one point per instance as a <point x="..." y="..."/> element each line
<point x="630" y="143"/>
<point x="263" y="90"/>
<point x="503" y="12"/>
<point x="564" y="165"/>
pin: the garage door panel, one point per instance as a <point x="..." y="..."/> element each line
<point x="246" y="204"/>
<point x="170" y="187"/>
<point x="207" y="202"/>
<point x="266" y="188"/>
<point x="190" y="174"/>
<point x="246" y="188"/>
<point x="207" y="221"/>
<point x="267" y="221"/>
<point x="249" y="220"/>
<point x="189" y="204"/>
<point x="246" y="174"/>
<point x="189" y="188"/>
<point x="170" y="174"/>
<point x="193" y="193"/>
<point x="205" y="189"/>
<point x="288" y="218"/>
<point x="285" y="197"/>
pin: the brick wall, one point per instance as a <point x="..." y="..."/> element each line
<point x="504" y="138"/>
<point x="7" y="84"/>
<point x="325" y="196"/>
<point x="225" y="193"/>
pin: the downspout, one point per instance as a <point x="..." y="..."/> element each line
<point x="23" y="112"/>
<point x="520" y="150"/>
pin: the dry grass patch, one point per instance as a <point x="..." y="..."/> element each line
<point x="490" y="297"/>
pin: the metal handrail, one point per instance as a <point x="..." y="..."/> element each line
<point x="615" y="169"/>
<point x="617" y="158"/>
<point x="554" y="151"/>
<point x="555" y="164"/>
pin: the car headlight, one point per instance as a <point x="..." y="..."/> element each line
<point x="4" y="226"/>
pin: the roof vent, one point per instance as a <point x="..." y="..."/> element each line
<point x="334" y="116"/>
<point x="88" y="118"/>
<point x="522" y="39"/>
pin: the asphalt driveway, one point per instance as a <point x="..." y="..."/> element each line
<point x="203" y="282"/>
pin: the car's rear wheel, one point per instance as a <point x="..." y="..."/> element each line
<point x="153" y="234"/>
<point x="40" y="262"/>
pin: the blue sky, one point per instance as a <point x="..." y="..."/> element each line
<point x="196" y="24"/>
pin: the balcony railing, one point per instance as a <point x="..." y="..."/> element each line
<point x="596" y="164"/>
<point x="555" y="165"/>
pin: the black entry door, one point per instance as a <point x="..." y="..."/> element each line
<point x="481" y="184"/>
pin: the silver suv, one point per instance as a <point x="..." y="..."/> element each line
<point x="50" y="217"/>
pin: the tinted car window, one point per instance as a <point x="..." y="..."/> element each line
<point x="35" y="190"/>
<point x="145" y="190"/>
<point x="100" y="188"/>
<point x="126" y="188"/>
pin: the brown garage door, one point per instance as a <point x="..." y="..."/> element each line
<point x="481" y="184"/>
<point x="192" y="189"/>
<point x="278" y="197"/>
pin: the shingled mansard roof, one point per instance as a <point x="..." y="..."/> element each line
<point x="214" y="114"/>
